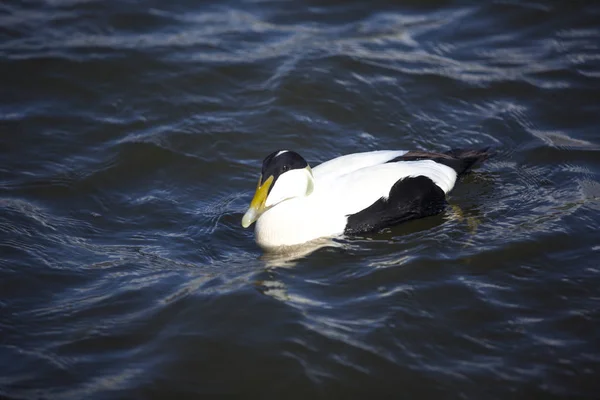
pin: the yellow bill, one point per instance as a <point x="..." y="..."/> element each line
<point x="257" y="206"/>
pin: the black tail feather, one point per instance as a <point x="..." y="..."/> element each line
<point x="459" y="160"/>
<point x="466" y="159"/>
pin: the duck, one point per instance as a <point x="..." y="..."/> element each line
<point x="357" y="193"/>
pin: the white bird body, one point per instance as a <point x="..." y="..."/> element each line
<point x="306" y="204"/>
<point x="346" y="164"/>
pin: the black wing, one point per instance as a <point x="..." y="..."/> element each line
<point x="410" y="198"/>
<point x="458" y="159"/>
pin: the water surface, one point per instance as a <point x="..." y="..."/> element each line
<point x="132" y="135"/>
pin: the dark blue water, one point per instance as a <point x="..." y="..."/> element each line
<point x="131" y="137"/>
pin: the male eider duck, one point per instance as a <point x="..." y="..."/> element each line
<point x="355" y="193"/>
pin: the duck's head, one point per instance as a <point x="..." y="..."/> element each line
<point x="285" y="175"/>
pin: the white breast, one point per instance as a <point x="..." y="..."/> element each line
<point x="299" y="220"/>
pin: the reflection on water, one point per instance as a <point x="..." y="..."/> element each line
<point x="286" y="257"/>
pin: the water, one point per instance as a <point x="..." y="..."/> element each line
<point x="132" y="136"/>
